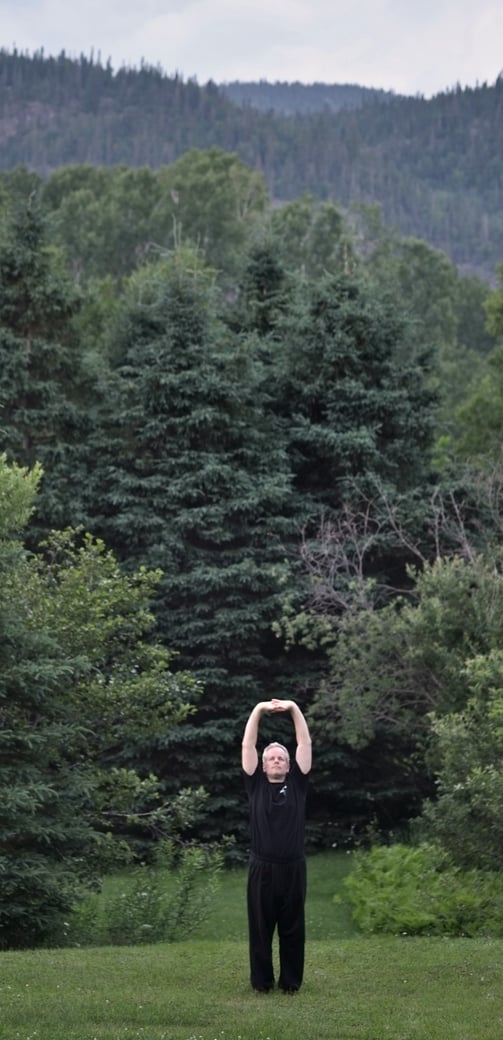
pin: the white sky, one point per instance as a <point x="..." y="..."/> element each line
<point x="409" y="46"/>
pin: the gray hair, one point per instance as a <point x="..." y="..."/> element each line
<point x="275" y="743"/>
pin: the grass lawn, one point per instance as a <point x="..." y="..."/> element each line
<point x="354" y="989"/>
<point x="324" y="918"/>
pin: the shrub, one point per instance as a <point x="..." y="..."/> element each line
<point x="401" y="889"/>
<point x="159" y="902"/>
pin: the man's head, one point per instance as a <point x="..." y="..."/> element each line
<point x="275" y="762"/>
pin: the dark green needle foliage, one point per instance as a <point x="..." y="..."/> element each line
<point x="189" y="478"/>
<point x="41" y="413"/>
<point x="352" y="395"/>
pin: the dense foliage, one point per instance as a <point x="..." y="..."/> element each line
<point x="181" y="429"/>
<point x="42" y="385"/>
<point x="82" y="688"/>
<point x="252" y="409"/>
<point x="401" y="890"/>
<point x="44" y="842"/>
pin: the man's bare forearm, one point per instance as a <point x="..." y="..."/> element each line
<point x="249" y="756"/>
<point x="302" y="736"/>
<point x="250" y="735"/>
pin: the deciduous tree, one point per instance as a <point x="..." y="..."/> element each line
<point x="82" y="690"/>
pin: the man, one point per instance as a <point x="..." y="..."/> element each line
<point x="277" y="872"/>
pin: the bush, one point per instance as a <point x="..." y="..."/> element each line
<point x="408" y="890"/>
<point x="162" y="902"/>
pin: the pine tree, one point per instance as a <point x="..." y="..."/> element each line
<point x="351" y="393"/>
<point x="40" y="382"/>
<point x="188" y="477"/>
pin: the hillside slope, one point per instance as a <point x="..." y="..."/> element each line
<point x="433" y="165"/>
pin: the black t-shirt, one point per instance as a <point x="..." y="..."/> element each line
<point x="277" y="815"/>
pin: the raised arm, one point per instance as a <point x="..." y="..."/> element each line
<point x="249" y="754"/>
<point x="303" y="754"/>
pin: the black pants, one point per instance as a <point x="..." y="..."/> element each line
<point x="276" y="898"/>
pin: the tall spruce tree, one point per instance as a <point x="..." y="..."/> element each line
<point x="40" y="382"/>
<point x="189" y="477"/>
<point x="351" y="393"/>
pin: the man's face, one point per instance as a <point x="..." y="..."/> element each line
<point x="275" y="764"/>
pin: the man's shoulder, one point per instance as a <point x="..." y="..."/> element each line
<point x="300" y="778"/>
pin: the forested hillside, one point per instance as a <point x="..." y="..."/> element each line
<point x="295" y="98"/>
<point x="434" y="166"/>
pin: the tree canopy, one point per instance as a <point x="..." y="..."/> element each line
<point x="254" y="482"/>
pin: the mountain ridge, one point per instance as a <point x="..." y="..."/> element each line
<point x="433" y="165"/>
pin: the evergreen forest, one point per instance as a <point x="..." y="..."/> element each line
<point x="434" y="166"/>
<point x="250" y="446"/>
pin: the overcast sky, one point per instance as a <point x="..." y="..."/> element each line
<point x="409" y="46"/>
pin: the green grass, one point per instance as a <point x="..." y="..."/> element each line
<point x="324" y="918"/>
<point x="398" y="989"/>
<point x="354" y="989"/>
